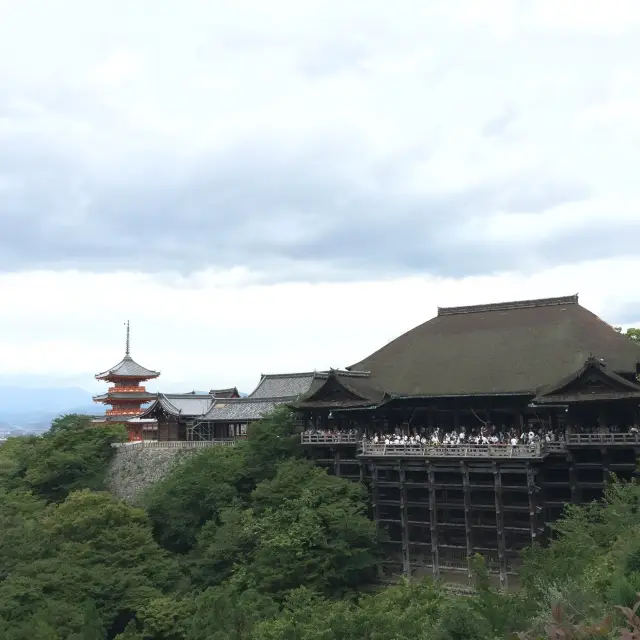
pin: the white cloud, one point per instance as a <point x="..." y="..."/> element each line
<point x="219" y="332"/>
<point x="352" y="130"/>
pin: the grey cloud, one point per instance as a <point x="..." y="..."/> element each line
<point x="264" y="208"/>
<point x="627" y="313"/>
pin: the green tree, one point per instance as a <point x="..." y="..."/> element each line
<point x="72" y="456"/>
<point x="15" y="457"/>
<point x="306" y="528"/>
<point x="270" y="441"/>
<point x="591" y="563"/>
<point x="224" y="613"/>
<point x="164" y="618"/>
<point x="407" y="611"/>
<point x="92" y="627"/>
<point x="130" y="633"/>
<point x="193" y="493"/>
<point x="99" y="550"/>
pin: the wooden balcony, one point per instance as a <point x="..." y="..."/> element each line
<point x="124" y="412"/>
<point x="453" y="451"/>
<point x="539" y="450"/>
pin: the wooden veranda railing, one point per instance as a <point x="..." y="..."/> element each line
<point x="337" y="438"/>
<point x="453" y="451"/>
<point x="174" y="444"/>
<point x="603" y="438"/>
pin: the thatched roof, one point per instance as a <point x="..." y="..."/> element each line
<point x="510" y="348"/>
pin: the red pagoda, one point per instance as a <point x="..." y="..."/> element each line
<point x="127" y="395"/>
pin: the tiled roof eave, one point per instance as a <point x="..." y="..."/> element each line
<point x="483" y="394"/>
<point x="577" y="398"/>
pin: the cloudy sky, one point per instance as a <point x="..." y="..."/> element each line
<point x="273" y="186"/>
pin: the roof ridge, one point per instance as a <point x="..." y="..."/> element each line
<point x="298" y="374"/>
<point x="506" y="306"/>
<point x="200" y="396"/>
<point x="250" y="399"/>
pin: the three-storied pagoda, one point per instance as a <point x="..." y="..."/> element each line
<point x="127" y="395"/>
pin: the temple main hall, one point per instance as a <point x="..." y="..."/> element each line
<point x="471" y="431"/>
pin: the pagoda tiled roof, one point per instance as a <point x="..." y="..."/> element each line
<point x="143" y="396"/>
<point x="128" y="368"/>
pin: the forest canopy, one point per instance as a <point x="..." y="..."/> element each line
<point x="254" y="542"/>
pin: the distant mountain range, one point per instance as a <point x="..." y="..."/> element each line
<point x="33" y="409"/>
<point x="25" y="409"/>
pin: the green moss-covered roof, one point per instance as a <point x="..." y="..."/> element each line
<point x="513" y="347"/>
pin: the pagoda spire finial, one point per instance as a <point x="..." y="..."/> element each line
<point x="126" y="352"/>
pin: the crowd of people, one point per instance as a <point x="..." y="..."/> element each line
<point x="484" y="435"/>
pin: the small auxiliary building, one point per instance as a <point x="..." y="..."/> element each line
<point x="126" y="396"/>
<point x="176" y="413"/>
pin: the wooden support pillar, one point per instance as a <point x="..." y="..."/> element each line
<point x="502" y="554"/>
<point x="606" y="462"/>
<point x="467" y="515"/>
<point x="336" y="462"/>
<point x="532" y="491"/>
<point x="573" y="479"/>
<point x="433" y="519"/>
<point x="361" y="466"/>
<point x="375" y="493"/>
<point x="404" y="520"/>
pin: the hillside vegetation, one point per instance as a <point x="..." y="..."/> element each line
<point x="256" y="543"/>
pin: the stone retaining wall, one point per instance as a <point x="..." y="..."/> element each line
<point x="137" y="466"/>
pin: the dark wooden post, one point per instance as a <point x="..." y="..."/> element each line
<point x="502" y="556"/>
<point x="467" y="515"/>
<point x="533" y="502"/>
<point x="521" y="422"/>
<point x="573" y="479"/>
<point x="606" y="470"/>
<point x="375" y="493"/>
<point x="433" y="520"/>
<point x="404" y="517"/>
<point x="336" y="462"/>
